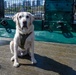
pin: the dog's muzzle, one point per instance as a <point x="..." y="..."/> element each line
<point x="25" y="24"/>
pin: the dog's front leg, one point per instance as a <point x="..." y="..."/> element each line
<point x="33" y="60"/>
<point x="16" y="64"/>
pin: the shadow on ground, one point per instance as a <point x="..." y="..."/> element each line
<point x="0" y="66"/>
<point x="49" y="64"/>
<point x="4" y="42"/>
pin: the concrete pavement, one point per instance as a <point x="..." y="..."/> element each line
<point x="52" y="59"/>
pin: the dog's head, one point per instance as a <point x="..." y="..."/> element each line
<point x="23" y="19"/>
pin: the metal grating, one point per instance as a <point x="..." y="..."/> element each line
<point x="36" y="7"/>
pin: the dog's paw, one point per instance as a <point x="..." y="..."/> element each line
<point x="16" y="64"/>
<point x="12" y="58"/>
<point x="34" y="61"/>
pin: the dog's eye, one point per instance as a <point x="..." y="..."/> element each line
<point x="27" y="16"/>
<point x="20" y="16"/>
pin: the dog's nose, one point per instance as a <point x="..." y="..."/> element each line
<point x="24" y="24"/>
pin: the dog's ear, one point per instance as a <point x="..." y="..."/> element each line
<point x="15" y="17"/>
<point x="32" y="18"/>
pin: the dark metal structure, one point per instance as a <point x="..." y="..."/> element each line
<point x="1" y="8"/>
<point x="57" y="25"/>
<point x="59" y="12"/>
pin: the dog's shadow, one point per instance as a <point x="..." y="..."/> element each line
<point x="49" y="64"/>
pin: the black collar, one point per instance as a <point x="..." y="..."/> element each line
<point x="23" y="38"/>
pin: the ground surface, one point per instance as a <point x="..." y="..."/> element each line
<point x="52" y="59"/>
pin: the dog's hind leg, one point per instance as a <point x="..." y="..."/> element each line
<point x="11" y="47"/>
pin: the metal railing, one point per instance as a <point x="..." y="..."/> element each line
<point x="36" y="7"/>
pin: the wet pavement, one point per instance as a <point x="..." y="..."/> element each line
<point x="52" y="59"/>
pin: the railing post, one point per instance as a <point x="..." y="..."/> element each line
<point x="1" y="8"/>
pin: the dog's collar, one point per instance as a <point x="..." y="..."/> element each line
<point x="23" y="38"/>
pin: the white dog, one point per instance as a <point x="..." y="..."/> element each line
<point x="24" y="36"/>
